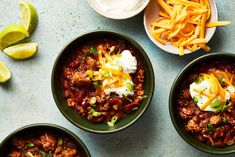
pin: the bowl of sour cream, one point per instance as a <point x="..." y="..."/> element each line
<point x="118" y="9"/>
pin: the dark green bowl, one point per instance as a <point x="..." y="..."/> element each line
<point x="176" y="120"/>
<point x="72" y="115"/>
<point x="6" y="144"/>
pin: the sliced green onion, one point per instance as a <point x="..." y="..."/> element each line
<point x="142" y="96"/>
<point x="60" y="141"/>
<point x="135" y="108"/>
<point x="198" y="79"/>
<point x="210" y="128"/>
<point x="220" y="79"/>
<point x="93" y="50"/>
<point x="215" y="104"/>
<point x="113" y="121"/>
<point x="218" y="106"/>
<point x="30" y="154"/>
<point x="93" y="112"/>
<point x="195" y="99"/>
<point x="112" y="49"/>
<point x="49" y="154"/>
<point x="224" y="108"/>
<point x="30" y="145"/>
<point x="128" y="99"/>
<point x="110" y="74"/>
<point x="90" y="73"/>
<point x="93" y="100"/>
<point x="130" y="86"/>
<point x="42" y="153"/>
<point x="96" y="114"/>
<point x="119" y="55"/>
<point x="97" y="84"/>
<point x="224" y="120"/>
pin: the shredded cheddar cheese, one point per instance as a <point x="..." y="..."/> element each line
<point x="114" y="76"/>
<point x="183" y="23"/>
<point x="216" y="88"/>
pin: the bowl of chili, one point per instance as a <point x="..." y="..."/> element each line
<point x="102" y="81"/>
<point x="43" y="140"/>
<point x="201" y="103"/>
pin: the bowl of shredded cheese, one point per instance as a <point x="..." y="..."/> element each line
<point x="181" y="26"/>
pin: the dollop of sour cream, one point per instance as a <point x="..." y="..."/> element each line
<point x="124" y="61"/>
<point x="201" y="99"/>
<point x="119" y="6"/>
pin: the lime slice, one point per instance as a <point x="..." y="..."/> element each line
<point x="5" y="74"/>
<point x="28" y="16"/>
<point x="12" y="34"/>
<point x="21" y="51"/>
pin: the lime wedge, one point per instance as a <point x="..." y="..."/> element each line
<point x="12" y="34"/>
<point x="5" y="74"/>
<point x="21" y="51"/>
<point x="28" y="16"/>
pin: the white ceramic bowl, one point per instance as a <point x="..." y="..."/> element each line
<point x="152" y="13"/>
<point x="118" y="16"/>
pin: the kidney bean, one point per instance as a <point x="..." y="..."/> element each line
<point x="67" y="93"/>
<point x="97" y="119"/>
<point x="128" y="108"/>
<point x="203" y="123"/>
<point x="204" y="116"/>
<point x="200" y="138"/>
<point x="114" y="100"/>
<point x="218" y="133"/>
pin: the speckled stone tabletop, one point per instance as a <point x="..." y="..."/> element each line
<point x="27" y="97"/>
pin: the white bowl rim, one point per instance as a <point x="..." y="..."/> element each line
<point x="186" y="51"/>
<point x="113" y="16"/>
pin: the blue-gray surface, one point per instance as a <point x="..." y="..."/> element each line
<point x="27" y="97"/>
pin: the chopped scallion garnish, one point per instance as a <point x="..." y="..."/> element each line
<point x="195" y="99"/>
<point x="224" y="120"/>
<point x="93" y="101"/>
<point x="90" y="73"/>
<point x="218" y="106"/>
<point x="30" y="145"/>
<point x="97" y="84"/>
<point x="30" y="154"/>
<point x="93" y="112"/>
<point x="215" y="104"/>
<point x="128" y="99"/>
<point x="60" y="141"/>
<point x="93" y="50"/>
<point x="113" y="121"/>
<point x="49" y="154"/>
<point x="210" y="128"/>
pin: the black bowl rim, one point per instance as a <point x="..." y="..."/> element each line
<point x="54" y="126"/>
<point x="141" y="50"/>
<point x="171" y="110"/>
